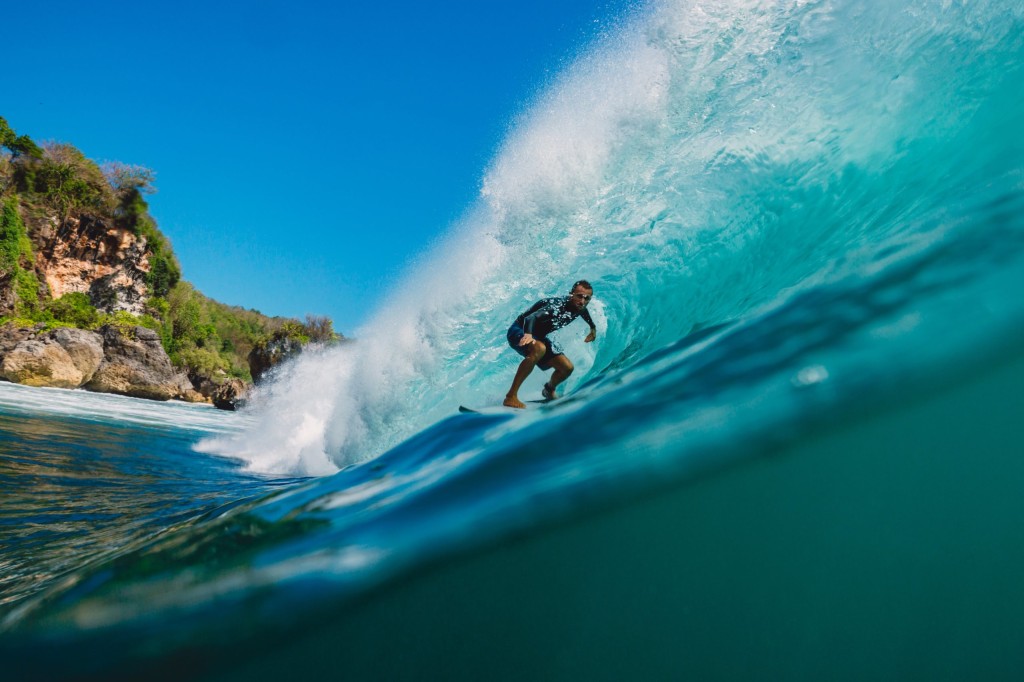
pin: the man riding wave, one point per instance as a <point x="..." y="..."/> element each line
<point x="528" y="336"/>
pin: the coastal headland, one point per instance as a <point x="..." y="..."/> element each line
<point x="92" y="295"/>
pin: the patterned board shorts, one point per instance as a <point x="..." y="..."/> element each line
<point x="515" y="333"/>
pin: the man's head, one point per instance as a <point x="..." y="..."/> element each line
<point x="581" y="294"/>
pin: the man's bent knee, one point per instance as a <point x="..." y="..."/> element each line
<point x="537" y="350"/>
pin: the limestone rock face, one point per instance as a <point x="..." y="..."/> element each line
<point x="63" y="358"/>
<point x="193" y="396"/>
<point x="11" y="336"/>
<point x="231" y="394"/>
<point x="85" y="349"/>
<point x="136" y="365"/>
<point x="265" y="357"/>
<point x="108" y="361"/>
<point x="85" y="254"/>
<point x="38" y="362"/>
<point x="204" y="384"/>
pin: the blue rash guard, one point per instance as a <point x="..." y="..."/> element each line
<point x="544" y="317"/>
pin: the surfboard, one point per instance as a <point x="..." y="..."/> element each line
<point x="501" y="409"/>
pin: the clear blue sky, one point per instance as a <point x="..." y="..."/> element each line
<point x="304" y="151"/>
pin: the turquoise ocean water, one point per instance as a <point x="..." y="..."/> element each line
<point x="794" y="452"/>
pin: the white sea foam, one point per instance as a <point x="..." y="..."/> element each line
<point x="108" y="408"/>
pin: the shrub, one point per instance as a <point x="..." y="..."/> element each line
<point x="124" y="321"/>
<point x="163" y="273"/>
<point x="125" y="178"/>
<point x="64" y="180"/>
<point x="292" y="330"/>
<point x="202" y="361"/>
<point x="76" y="310"/>
<point x="20" y="145"/>
<point x="320" y="329"/>
<point x="158" y="307"/>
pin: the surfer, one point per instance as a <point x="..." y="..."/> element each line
<point x="528" y="336"/>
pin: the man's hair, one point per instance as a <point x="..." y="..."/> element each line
<point x="582" y="283"/>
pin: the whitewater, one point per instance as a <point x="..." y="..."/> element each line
<point x="793" y="450"/>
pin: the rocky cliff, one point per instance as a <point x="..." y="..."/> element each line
<point x="91" y="255"/>
<point x="127" y="361"/>
<point x="81" y="253"/>
<point x="91" y="294"/>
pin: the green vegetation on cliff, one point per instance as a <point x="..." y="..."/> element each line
<point x="53" y="183"/>
<point x="207" y="336"/>
<point x="16" y="260"/>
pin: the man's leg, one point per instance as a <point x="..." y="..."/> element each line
<point x="537" y="350"/>
<point x="563" y="368"/>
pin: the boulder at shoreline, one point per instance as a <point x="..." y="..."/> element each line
<point x="231" y="394"/>
<point x="129" y="361"/>
<point x="63" y="358"/>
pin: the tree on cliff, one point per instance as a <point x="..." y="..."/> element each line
<point x="130" y="183"/>
<point x="127" y="178"/>
<point x="20" y="145"/>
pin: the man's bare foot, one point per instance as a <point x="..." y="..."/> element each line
<point x="513" y="401"/>
<point x="548" y="392"/>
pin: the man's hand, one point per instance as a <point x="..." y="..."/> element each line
<point x="526" y="340"/>
<point x="591" y="336"/>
